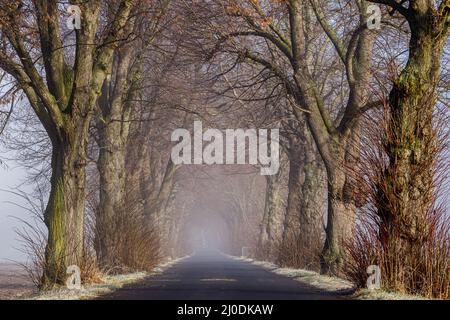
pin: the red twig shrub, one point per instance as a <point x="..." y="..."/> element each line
<point x="412" y="248"/>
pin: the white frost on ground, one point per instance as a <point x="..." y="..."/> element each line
<point x="330" y="284"/>
<point x="365" y="294"/>
<point x="311" y="278"/>
<point x="109" y="284"/>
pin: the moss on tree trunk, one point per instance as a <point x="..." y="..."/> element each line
<point x="64" y="214"/>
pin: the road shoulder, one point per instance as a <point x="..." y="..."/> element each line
<point x="332" y="285"/>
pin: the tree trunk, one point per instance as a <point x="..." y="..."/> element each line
<point x="161" y="208"/>
<point x="294" y="200"/>
<point x="271" y="227"/>
<point x="304" y="213"/>
<point x="312" y="206"/>
<point x="64" y="214"/>
<point x="411" y="142"/>
<point x="165" y="190"/>
<point x="111" y="167"/>
<point x="113" y="127"/>
<point x="341" y="213"/>
<point x="340" y="224"/>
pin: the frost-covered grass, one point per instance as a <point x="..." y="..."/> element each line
<point x="365" y="294"/>
<point x="330" y="284"/>
<point x="109" y="283"/>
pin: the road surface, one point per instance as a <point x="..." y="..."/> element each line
<point x="211" y="275"/>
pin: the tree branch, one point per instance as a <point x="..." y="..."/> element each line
<point x="332" y="35"/>
<point x="52" y="48"/>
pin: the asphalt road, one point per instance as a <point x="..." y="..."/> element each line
<point x="213" y="276"/>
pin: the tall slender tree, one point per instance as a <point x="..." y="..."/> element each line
<point x="121" y="92"/>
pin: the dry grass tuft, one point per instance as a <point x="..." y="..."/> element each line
<point x="299" y="253"/>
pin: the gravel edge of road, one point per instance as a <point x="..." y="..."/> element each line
<point x="110" y="284"/>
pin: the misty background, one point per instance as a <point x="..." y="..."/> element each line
<point x="12" y="176"/>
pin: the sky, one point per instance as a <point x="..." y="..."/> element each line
<point x="11" y="177"/>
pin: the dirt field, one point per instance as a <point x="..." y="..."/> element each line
<point x="13" y="282"/>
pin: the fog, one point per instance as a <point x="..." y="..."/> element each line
<point x="221" y="207"/>
<point x="11" y="177"/>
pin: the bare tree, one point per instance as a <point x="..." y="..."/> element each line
<point x="121" y="91"/>
<point x="407" y="189"/>
<point x="282" y="45"/>
<point x="63" y="97"/>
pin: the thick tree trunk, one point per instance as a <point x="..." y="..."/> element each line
<point x="342" y="156"/>
<point x="271" y="225"/>
<point x="342" y="205"/>
<point x="111" y="166"/>
<point x="411" y="142"/>
<point x="113" y="127"/>
<point x="162" y="205"/>
<point x="304" y="214"/>
<point x="64" y="214"/>
<point x="341" y="215"/>
<point x="294" y="200"/>
<point x="313" y="196"/>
